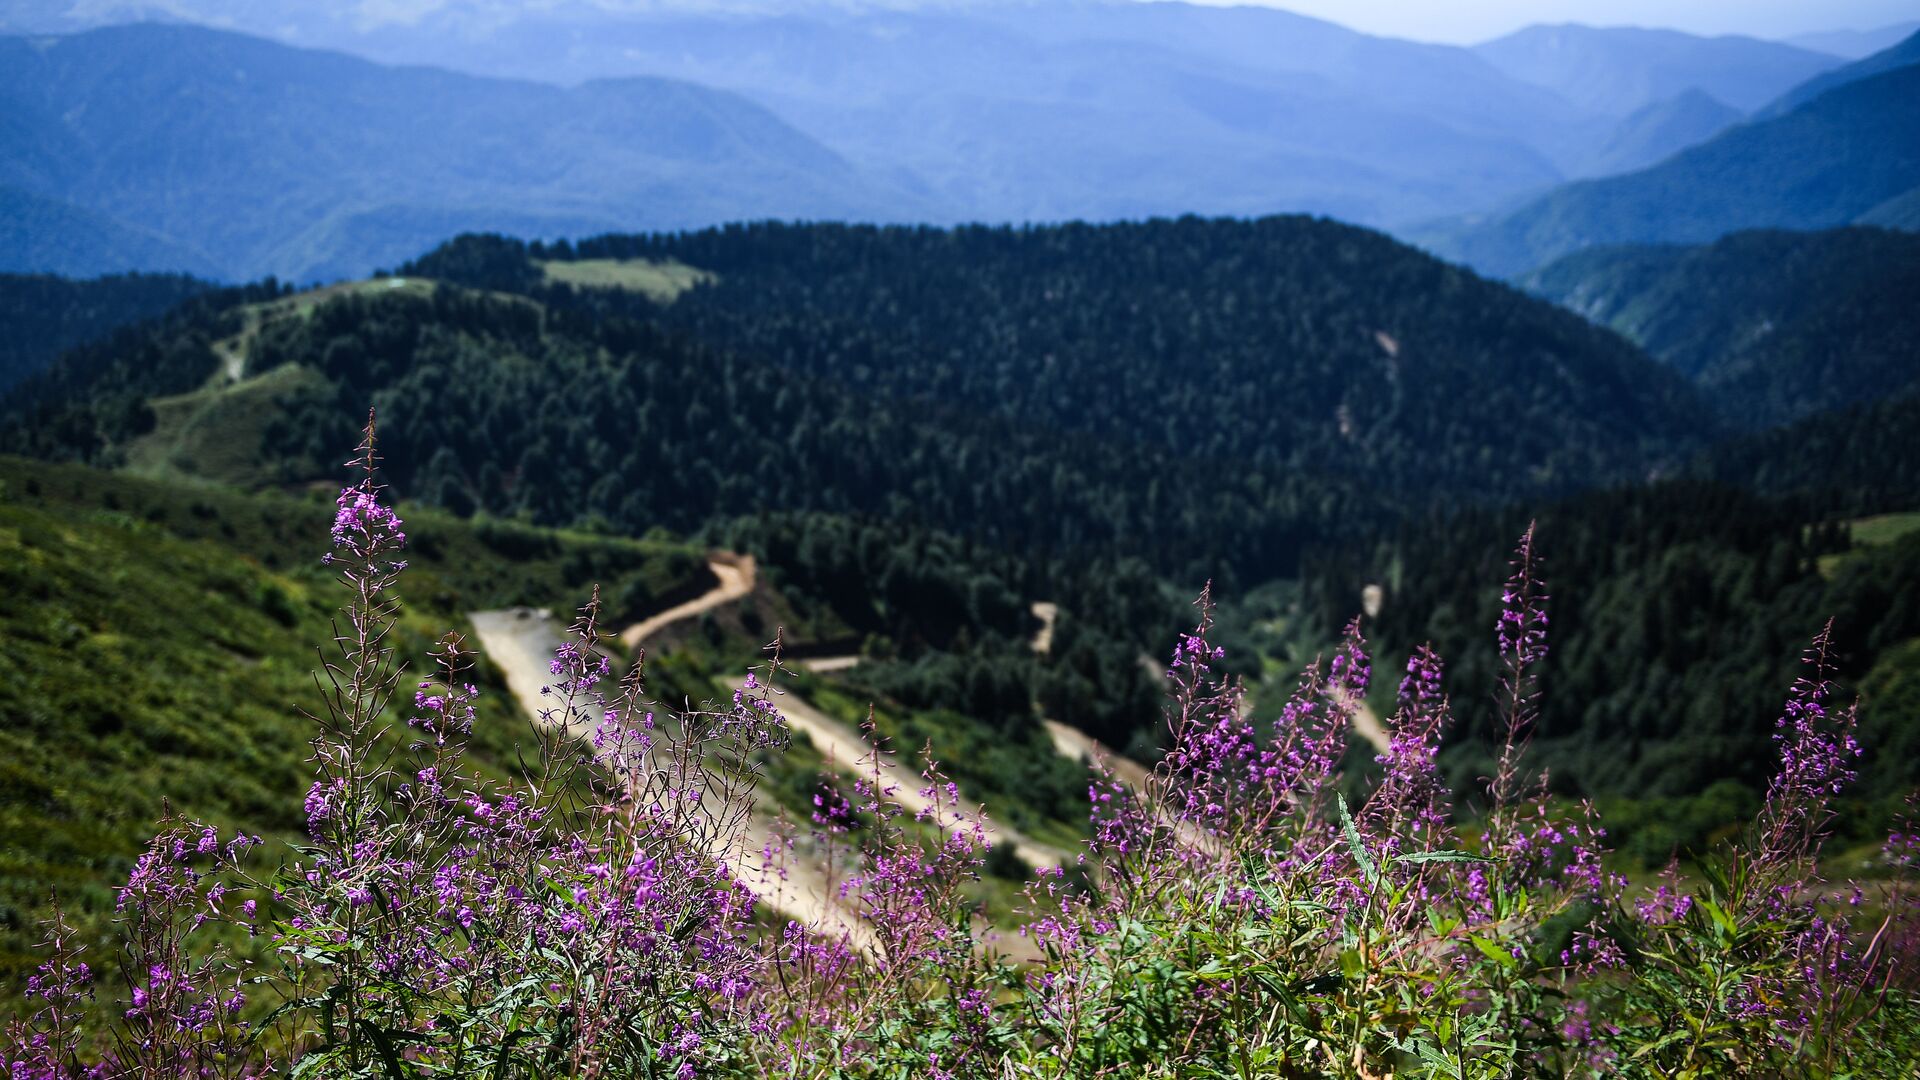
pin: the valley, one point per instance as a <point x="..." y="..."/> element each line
<point x="1086" y="539"/>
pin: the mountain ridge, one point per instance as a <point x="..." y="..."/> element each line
<point x="282" y="140"/>
<point x="1772" y="325"/>
<point x="1821" y="165"/>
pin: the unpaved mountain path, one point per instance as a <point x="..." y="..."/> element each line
<point x="521" y="642"/>
<point x="1047" y="612"/>
<point x="737" y="574"/>
<point x="1071" y="742"/>
<point x="851" y="751"/>
<point x="1367" y="725"/>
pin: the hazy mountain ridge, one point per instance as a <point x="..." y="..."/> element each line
<point x="45" y="235"/>
<point x="1855" y="44"/>
<point x="1619" y="70"/>
<point x="1821" y="165"/>
<point x="995" y="112"/>
<point x="283" y="161"/>
<point x="1902" y="53"/>
<point x="1656" y="131"/>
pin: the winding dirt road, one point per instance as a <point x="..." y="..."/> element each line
<point x="521" y="641"/>
<point x="737" y="574"/>
<point x="846" y="748"/>
<point x="1071" y="742"/>
<point x="1047" y="612"/>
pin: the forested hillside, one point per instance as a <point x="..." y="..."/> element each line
<point x="157" y="645"/>
<point x="1271" y="380"/>
<point x="924" y="431"/>
<point x="1862" y="459"/>
<point x="1771" y="326"/>
<point x="1676" y="604"/>
<point x="46" y="315"/>
<point x="1284" y="344"/>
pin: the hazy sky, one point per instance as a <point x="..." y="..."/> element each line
<point x="1465" y="21"/>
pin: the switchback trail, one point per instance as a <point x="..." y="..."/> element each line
<point x="521" y="641"/>
<point x="851" y="751"/>
<point x="737" y="574"/>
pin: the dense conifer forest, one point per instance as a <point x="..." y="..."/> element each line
<point x="926" y="430"/>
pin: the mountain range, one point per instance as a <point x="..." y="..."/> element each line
<point x="165" y="146"/>
<point x="240" y="155"/>
<point x="1616" y="71"/>
<point x="1849" y="153"/>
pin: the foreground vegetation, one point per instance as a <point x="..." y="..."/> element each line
<point x="574" y="914"/>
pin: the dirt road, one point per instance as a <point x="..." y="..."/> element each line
<point x="521" y="641"/>
<point x="1047" y="612"/>
<point x="737" y="574"/>
<point x="850" y="751"/>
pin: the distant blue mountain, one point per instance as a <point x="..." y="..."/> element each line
<point x="1774" y="325"/>
<point x="1856" y="44"/>
<point x="1900" y="54"/>
<point x="44" y="235"/>
<point x="1617" y="71"/>
<point x="174" y="141"/>
<point x="257" y="157"/>
<point x="1655" y="132"/>
<point x="1065" y="109"/>
<point x="1842" y="155"/>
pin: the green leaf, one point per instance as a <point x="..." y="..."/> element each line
<point x="1440" y="857"/>
<point x="1367" y="868"/>
<point x="1494" y="952"/>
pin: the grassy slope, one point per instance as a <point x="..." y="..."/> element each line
<point x="1868" y="532"/>
<point x="158" y="641"/>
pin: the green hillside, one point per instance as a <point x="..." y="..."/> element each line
<point x="1821" y="165"/>
<point x="1679" y="610"/>
<point x="1858" y="460"/>
<point x="158" y="643"/>
<point x="1280" y="378"/>
<point x="1771" y="326"/>
<point x="1287" y="345"/>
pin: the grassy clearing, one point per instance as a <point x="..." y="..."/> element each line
<point x="235" y="351"/>
<point x="217" y="432"/>
<point x="1876" y="531"/>
<point x="662" y="282"/>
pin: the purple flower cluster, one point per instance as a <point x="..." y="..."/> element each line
<point x="1817" y="751"/>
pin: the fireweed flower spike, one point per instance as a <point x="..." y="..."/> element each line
<point x="1521" y="633"/>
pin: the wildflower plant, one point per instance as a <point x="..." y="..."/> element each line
<point x="596" y="909"/>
